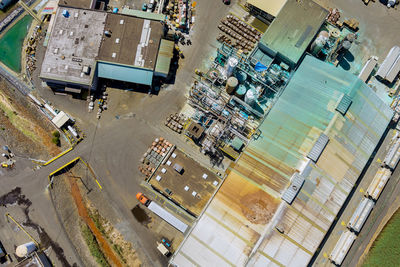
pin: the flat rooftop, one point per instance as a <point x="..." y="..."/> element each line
<point x="192" y="189"/>
<point x="76" y="3"/>
<point x="133" y="41"/>
<point x="74" y="43"/>
<point x="271" y="7"/>
<point x="294" y="29"/>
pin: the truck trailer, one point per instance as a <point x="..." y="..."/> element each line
<point x="342" y="247"/>
<point x="361" y="214"/>
<point x="378" y="183"/>
<point x="368" y="68"/>
<point x="162" y="213"/>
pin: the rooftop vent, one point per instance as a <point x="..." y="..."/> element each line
<point x="61" y="32"/>
<point x="56" y="51"/>
<point x="66" y="67"/>
<point x="117" y="41"/>
<point x="71" y="33"/>
<point x="48" y="69"/>
<point x="344" y="104"/>
<point x="121" y="21"/>
<point x="296" y="182"/>
<point x="76" y="15"/>
<point x="114" y="55"/>
<point x="65" y="13"/>
<point x="318" y="147"/>
<point x="86" y="70"/>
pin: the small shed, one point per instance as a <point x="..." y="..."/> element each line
<point x="60" y="119"/>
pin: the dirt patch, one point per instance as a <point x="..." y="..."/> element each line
<point x="141" y="215"/>
<point x="82" y="211"/>
<point x="258" y="208"/>
<point x="122" y="248"/>
<point x="25" y="130"/>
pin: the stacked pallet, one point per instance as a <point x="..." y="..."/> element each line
<point x="175" y="122"/>
<point x="154" y="156"/>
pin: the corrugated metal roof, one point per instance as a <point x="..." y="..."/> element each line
<point x="164" y="58"/>
<point x="293" y="29"/>
<point x="271" y="7"/>
<point x="142" y="14"/>
<point x="318" y="147"/>
<point x="305" y="109"/>
<point x="124" y="73"/>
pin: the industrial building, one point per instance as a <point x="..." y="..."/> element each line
<point x="265" y="10"/>
<point x="283" y="194"/>
<point x="88" y="44"/>
<point x="287" y="37"/>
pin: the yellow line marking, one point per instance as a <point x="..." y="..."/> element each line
<point x="270" y="258"/>
<point x="22" y="228"/>
<point x="294" y="242"/>
<point x="73" y="161"/>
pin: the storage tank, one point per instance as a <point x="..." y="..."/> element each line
<point x="24" y="250"/>
<point x="73" y="131"/>
<point x="251" y="97"/>
<point x="231" y="85"/>
<point x="319" y="42"/>
<point x="231" y="65"/>
<point x="241" y="76"/>
<point x="241" y="91"/>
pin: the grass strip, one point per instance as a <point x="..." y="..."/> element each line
<point x="385" y="250"/>
<point x="93" y="246"/>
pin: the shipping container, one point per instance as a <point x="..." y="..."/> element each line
<point x="378" y="183"/>
<point x="388" y="63"/>
<point x="368" y="68"/>
<point x="392" y="157"/>
<point x="168" y="217"/>
<point x="361" y="214"/>
<point x="342" y="247"/>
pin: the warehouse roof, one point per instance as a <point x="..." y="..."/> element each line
<point x="88" y="4"/>
<point x="247" y="222"/>
<point x="165" y="56"/>
<point x="74" y="43"/>
<point x="293" y="29"/>
<point x="132" y="41"/>
<point x="271" y="7"/>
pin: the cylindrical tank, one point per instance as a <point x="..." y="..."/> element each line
<point x="319" y="42"/>
<point x="346" y="45"/>
<point x="334" y="33"/>
<point x="24" y="250"/>
<point x="241" y="91"/>
<point x="47" y="106"/>
<point x="251" y="97"/>
<point x="231" y="65"/>
<point x="241" y="76"/>
<point x="73" y="131"/>
<point x="231" y="85"/>
<point x="350" y="37"/>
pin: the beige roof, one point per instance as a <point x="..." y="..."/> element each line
<point x="270" y="6"/>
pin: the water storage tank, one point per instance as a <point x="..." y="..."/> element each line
<point x="65" y="13"/>
<point x="241" y="91"/>
<point x="241" y="76"/>
<point x="24" y="250"/>
<point x="231" y="65"/>
<point x="319" y="42"/>
<point x="231" y="85"/>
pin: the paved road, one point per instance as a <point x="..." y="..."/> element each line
<point x="114" y="146"/>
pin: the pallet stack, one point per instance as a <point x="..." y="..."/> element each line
<point x="154" y="155"/>
<point x="175" y="122"/>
